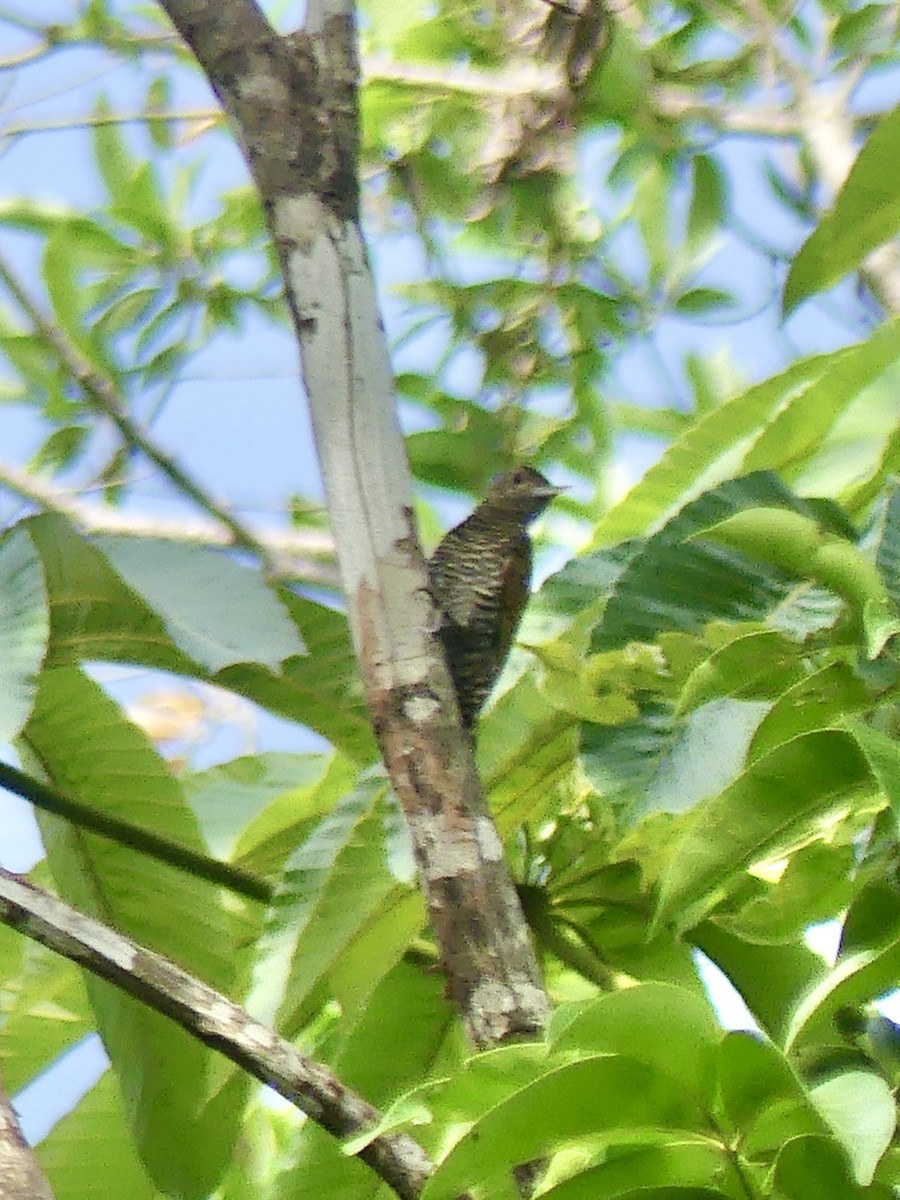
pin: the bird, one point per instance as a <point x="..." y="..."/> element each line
<point x="480" y="580"/>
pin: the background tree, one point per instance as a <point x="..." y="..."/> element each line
<point x="604" y="224"/>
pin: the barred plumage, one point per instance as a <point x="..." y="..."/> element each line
<point x="480" y="579"/>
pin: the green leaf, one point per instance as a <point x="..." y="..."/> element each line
<point x="625" y="75"/>
<point x="451" y="1105"/>
<point x="857" y="979"/>
<point x="664" y="1027"/>
<point x="871" y="920"/>
<point x="89" y="751"/>
<point x="310" y="924"/>
<point x="651" y="209"/>
<point x="218" y="612"/>
<point x="623" y="761"/>
<point x="779" y="423"/>
<point x="709" y="201"/>
<point x="755" y="666"/>
<point x="753" y="1075"/>
<point x="859" y="1108"/>
<point x="128" y="309"/>
<point x="114" y="160"/>
<point x="37" y="216"/>
<point x="673" y="582"/>
<point x="673" y="1171"/>
<point x="141" y="205"/>
<point x="770" y="979"/>
<point x="777" y="799"/>
<point x="407" y="1033"/>
<point x="253" y="807"/>
<point x="24" y="629"/>
<point x="856" y="391"/>
<point x="90" y="1153"/>
<point x="883" y="756"/>
<point x="159" y="100"/>
<point x="797" y="545"/>
<point x="790" y="540"/>
<point x="95" y="617"/>
<point x="570" y="1102"/>
<point x="858" y="29"/>
<point x="865" y="215"/>
<point x="814" y="887"/>
<point x="703" y="300"/>
<point x="813" y="1166"/>
<point x="60" y="270"/>
<point x="818" y="701"/>
<point x="379" y="943"/>
<point x="60" y="449"/>
<point x="525" y="756"/>
<point x="668" y="423"/>
<point x="705" y="754"/>
<point x="322" y="689"/>
<point x="468" y="431"/>
<point x="43" y="1007"/>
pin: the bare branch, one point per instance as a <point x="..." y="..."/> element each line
<point x="293" y="101"/>
<point x="217" y="1022"/>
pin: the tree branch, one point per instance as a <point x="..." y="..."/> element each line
<point x="135" y="837"/>
<point x="217" y="1022"/>
<point x="293" y="103"/>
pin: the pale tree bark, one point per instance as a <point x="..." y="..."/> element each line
<point x="292" y="102"/>
<point x="210" y="1017"/>
<point x="20" y="1176"/>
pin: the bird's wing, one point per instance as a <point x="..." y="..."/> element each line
<point x="498" y="597"/>
<point x="455" y="601"/>
<point x="514" y="588"/>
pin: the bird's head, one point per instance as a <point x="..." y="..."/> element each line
<point x="522" y="492"/>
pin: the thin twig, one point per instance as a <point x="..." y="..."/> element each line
<point x="135" y="837"/>
<point x="211" y="115"/>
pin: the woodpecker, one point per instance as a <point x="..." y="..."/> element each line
<point x="480" y="577"/>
